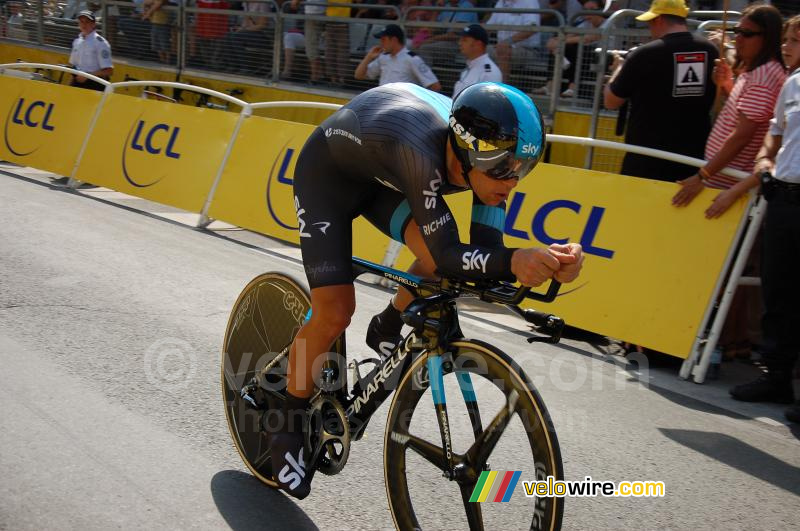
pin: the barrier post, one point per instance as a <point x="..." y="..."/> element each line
<point x="73" y="182"/>
<point x="698" y="368"/>
<point x="204" y="221"/>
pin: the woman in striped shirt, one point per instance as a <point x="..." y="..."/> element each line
<point x="740" y="128"/>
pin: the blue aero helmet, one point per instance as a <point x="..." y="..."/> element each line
<point x="496" y="129"/>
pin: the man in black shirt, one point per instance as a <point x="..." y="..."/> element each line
<point x="669" y="85"/>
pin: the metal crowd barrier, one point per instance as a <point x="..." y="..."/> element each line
<point x="205" y="40"/>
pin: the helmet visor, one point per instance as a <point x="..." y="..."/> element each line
<point x="501" y="164"/>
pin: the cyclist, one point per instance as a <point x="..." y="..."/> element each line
<point x="390" y="155"/>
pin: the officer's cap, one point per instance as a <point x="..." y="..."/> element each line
<point x="392" y="30"/>
<point x="88" y="14"/>
<point x="477" y="32"/>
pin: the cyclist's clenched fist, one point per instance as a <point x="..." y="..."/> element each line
<point x="533" y="267"/>
<point x="570" y="258"/>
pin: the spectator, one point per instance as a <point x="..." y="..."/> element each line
<point x="15" y="28"/>
<point x="741" y="125"/>
<point x="669" y="85"/>
<point x="441" y="47"/>
<point x="366" y="12"/>
<point x="210" y="30"/>
<point x="293" y="39"/>
<point x="253" y="32"/>
<point x="134" y="28"/>
<point x="480" y="67"/>
<point x="392" y="62"/>
<point x="780" y="156"/>
<point x="515" y="47"/>
<point x="160" y="31"/>
<point x="420" y="35"/>
<point x="571" y="50"/>
<point x="739" y="131"/>
<point x="567" y="8"/>
<point x="313" y="33"/>
<point x="91" y="53"/>
<point x="337" y="44"/>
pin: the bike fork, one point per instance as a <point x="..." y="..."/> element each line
<point x="436" y="378"/>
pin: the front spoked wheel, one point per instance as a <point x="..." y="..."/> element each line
<point x="266" y="317"/>
<point x="497" y="423"/>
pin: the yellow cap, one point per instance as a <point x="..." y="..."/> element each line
<point x="665" y="7"/>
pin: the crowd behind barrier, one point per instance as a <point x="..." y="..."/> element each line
<point x="272" y="40"/>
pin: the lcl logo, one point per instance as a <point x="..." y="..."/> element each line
<point x="154" y="139"/>
<point x="281" y="195"/>
<point x="35" y="115"/>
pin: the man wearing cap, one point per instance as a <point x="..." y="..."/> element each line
<point x="91" y="53"/>
<point x="480" y="67"/>
<point x="669" y="85"/>
<point x="391" y="62"/>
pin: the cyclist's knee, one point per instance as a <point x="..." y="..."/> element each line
<point x="331" y="316"/>
<point x="331" y="324"/>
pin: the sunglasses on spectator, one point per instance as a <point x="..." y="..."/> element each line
<point x="746" y="33"/>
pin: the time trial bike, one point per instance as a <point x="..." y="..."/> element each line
<point x="442" y="385"/>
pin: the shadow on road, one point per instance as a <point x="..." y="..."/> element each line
<point x="739" y="455"/>
<point x="246" y="504"/>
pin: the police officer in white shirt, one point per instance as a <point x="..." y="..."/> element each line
<point x="472" y="44"/>
<point x="91" y="53"/>
<point x="392" y="62"/>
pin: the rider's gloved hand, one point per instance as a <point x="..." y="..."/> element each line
<point x="570" y="258"/>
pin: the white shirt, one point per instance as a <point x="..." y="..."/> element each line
<point x="404" y="67"/>
<point x="90" y="53"/>
<point x="516" y="19"/>
<point x="479" y="69"/>
<point x="786" y="123"/>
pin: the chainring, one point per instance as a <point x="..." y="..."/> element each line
<point x="328" y="435"/>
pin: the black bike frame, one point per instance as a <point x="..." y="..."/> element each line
<point x="371" y="391"/>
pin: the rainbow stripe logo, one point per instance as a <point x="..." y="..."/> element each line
<point x="495" y="486"/>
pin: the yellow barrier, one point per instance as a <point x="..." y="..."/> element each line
<point x="255" y="191"/>
<point x="650" y="268"/>
<point x="159" y="151"/>
<point x="45" y="123"/>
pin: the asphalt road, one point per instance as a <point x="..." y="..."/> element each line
<point x="112" y="314"/>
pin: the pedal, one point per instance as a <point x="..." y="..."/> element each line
<point x="248" y="395"/>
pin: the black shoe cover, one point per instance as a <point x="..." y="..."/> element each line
<point x="288" y="464"/>
<point x="381" y="342"/>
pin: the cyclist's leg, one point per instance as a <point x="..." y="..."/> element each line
<point x="332" y="308"/>
<point x="326" y="204"/>
<point x="390" y="212"/>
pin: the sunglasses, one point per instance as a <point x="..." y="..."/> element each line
<point x="746" y="33"/>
